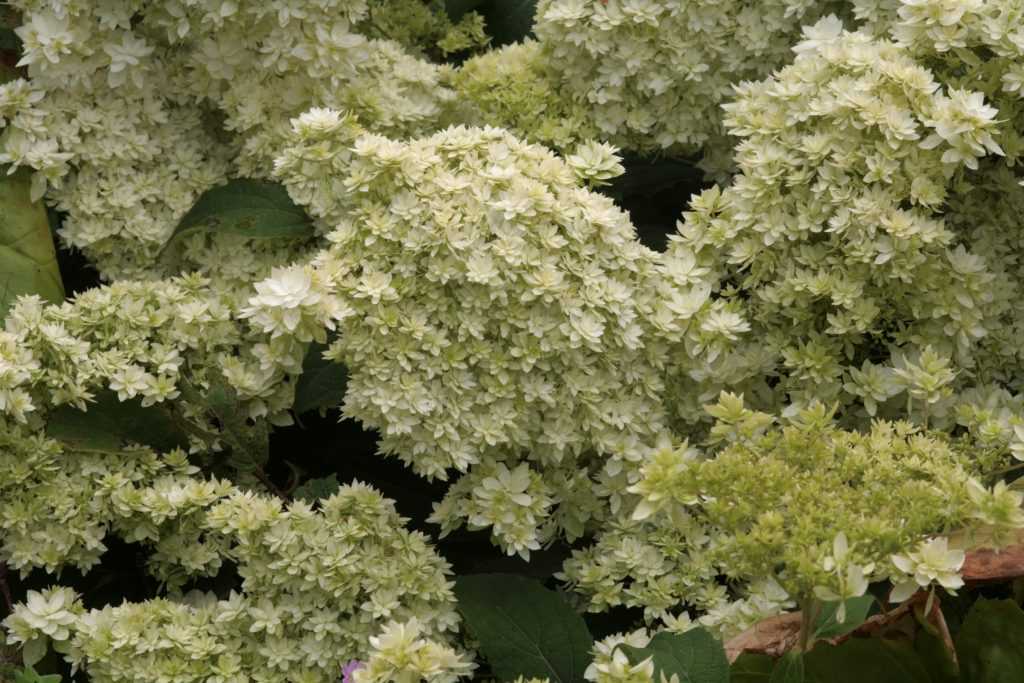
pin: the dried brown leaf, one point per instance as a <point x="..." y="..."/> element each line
<point x="773" y="636"/>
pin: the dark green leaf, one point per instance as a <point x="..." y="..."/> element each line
<point x="315" y="489"/>
<point x="322" y="382"/>
<point x="936" y="657"/>
<point x="695" y="656"/>
<point x="789" y="669"/>
<point x="34" y="651"/>
<point x="857" y="610"/>
<point x="523" y="628"/>
<point x="249" y="441"/>
<point x="456" y="9"/>
<point x="9" y="40"/>
<point x="110" y="424"/>
<point x="28" y="260"/>
<point x="860" y="660"/>
<point x="990" y="644"/>
<point x="253" y="208"/>
<point x="508" y="21"/>
<point x="751" y="668"/>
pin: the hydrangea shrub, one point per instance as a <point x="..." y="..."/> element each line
<point x="813" y="393"/>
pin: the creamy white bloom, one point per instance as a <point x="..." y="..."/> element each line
<point x="933" y="562"/>
<point x="285" y="288"/>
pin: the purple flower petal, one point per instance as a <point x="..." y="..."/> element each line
<point x="349" y="669"/>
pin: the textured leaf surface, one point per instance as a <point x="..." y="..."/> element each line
<point x="28" y="260"/>
<point x="936" y="657"/>
<point x="523" y="628"/>
<point x="30" y="675"/>
<point x="990" y="644"/>
<point x="322" y="382"/>
<point x="253" y="208"/>
<point x="773" y="636"/>
<point x="110" y="424"/>
<point x="315" y="489"/>
<point x="751" y="668"/>
<point x="860" y="660"/>
<point x="857" y="609"/>
<point x="789" y="669"/>
<point x="250" y="443"/>
<point x="695" y="656"/>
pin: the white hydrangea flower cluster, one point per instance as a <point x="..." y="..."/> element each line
<point x="124" y="155"/>
<point x="735" y="513"/>
<point x="502" y="325"/>
<point x="424" y="28"/>
<point x="51" y="515"/>
<point x="141" y="340"/>
<point x="401" y="655"/>
<point x="833" y="242"/>
<point x="652" y="73"/>
<point x="517" y="88"/>
<point x="942" y="26"/>
<point x="316" y="585"/>
<point x="611" y="665"/>
<point x="496" y="317"/>
<point x="932" y="562"/>
<point x="134" y="108"/>
<point x="352" y="567"/>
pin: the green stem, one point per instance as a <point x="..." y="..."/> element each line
<point x="271" y="486"/>
<point x="994" y="476"/>
<point x="809" y="608"/>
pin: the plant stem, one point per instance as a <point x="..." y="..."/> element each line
<point x="6" y="589"/>
<point x="271" y="486"/>
<point x="808" y="613"/>
<point x="994" y="476"/>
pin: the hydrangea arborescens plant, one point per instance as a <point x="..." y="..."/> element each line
<point x="652" y="73"/>
<point x="516" y="88"/>
<point x="135" y="108"/>
<point x="471" y="291"/>
<point x="834" y="240"/>
<point x="756" y="511"/>
<point x="499" y="319"/>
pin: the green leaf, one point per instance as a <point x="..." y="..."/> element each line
<point x="508" y="21"/>
<point x="315" y="489"/>
<point x="695" y="656"/>
<point x="250" y="443"/>
<point x="33" y="652"/>
<point x="28" y="259"/>
<point x="456" y="9"/>
<point x="936" y="657"/>
<point x="9" y="40"/>
<point x="857" y="610"/>
<point x="109" y="424"/>
<point x="30" y="675"/>
<point x="859" y="660"/>
<point x="523" y="628"/>
<point x="253" y="208"/>
<point x="990" y="644"/>
<point x="751" y="668"/>
<point x="789" y="669"/>
<point x="322" y="382"/>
